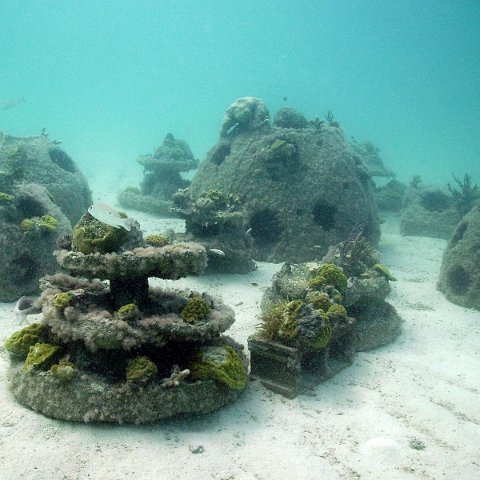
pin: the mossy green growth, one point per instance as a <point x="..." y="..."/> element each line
<point x="64" y="370"/>
<point x="213" y="200"/>
<point x="45" y="223"/>
<point x="337" y="310"/>
<point x="92" y="236"/>
<point x="62" y="300"/>
<point x="41" y="355"/>
<point x="383" y="270"/>
<point x="277" y="144"/>
<point x="289" y="327"/>
<point x="28" y="224"/>
<point x="215" y="196"/>
<point x="280" y="322"/>
<point x="156" y="240"/>
<point x="328" y="274"/>
<point x="141" y="370"/>
<point x="48" y="223"/>
<point x="271" y="320"/>
<point x="12" y="151"/>
<point x="323" y="336"/>
<point x="195" y="310"/>
<point x="5" y="197"/>
<point x="107" y="341"/>
<point x="320" y="300"/>
<point x="221" y="363"/>
<point x="20" y="342"/>
<point x="128" y="312"/>
<point x="337" y="298"/>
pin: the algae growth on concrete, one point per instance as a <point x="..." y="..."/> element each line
<point x="111" y="349"/>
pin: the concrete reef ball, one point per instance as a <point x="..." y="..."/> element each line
<point x="303" y="189"/>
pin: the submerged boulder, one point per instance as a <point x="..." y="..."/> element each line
<point x="303" y="189"/>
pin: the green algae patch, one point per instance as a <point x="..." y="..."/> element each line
<point x="128" y="312"/>
<point x="141" y="370"/>
<point x="328" y="274"/>
<point x="337" y="310"/>
<point x="277" y="144"/>
<point x="5" y="197"/>
<point x="221" y="363"/>
<point x="65" y="371"/>
<point x="289" y="327"/>
<point x="323" y="336"/>
<point x="383" y="270"/>
<point x="41" y="355"/>
<point x="298" y="324"/>
<point x="156" y="240"/>
<point x="62" y="300"/>
<point x="20" y="342"/>
<point x="281" y="321"/>
<point x="92" y="236"/>
<point x="271" y="321"/>
<point x="319" y="300"/>
<point x="13" y="151"/>
<point x="27" y="225"/>
<point x="195" y="310"/>
<point x="45" y="223"/>
<point x="48" y="223"/>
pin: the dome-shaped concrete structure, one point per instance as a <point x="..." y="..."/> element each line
<point x="303" y="188"/>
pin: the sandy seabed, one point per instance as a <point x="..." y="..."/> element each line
<point x="408" y="410"/>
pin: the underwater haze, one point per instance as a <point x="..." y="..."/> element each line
<point x="111" y="78"/>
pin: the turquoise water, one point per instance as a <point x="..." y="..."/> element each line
<point x="111" y="78"/>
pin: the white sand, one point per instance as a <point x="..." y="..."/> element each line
<point x="423" y="390"/>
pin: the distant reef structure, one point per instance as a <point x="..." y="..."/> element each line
<point x="435" y="211"/>
<point x="42" y="192"/>
<point x="370" y="155"/>
<point x="460" y="272"/>
<point x="301" y="184"/>
<point x="161" y="177"/>
<point x="120" y="351"/>
<point x="391" y="196"/>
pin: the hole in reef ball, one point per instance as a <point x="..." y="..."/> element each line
<point x="28" y="207"/>
<point x="265" y="226"/>
<point x="324" y="215"/>
<point x="435" y="201"/>
<point x="26" y="268"/>
<point x="458" y="280"/>
<point x="59" y="157"/>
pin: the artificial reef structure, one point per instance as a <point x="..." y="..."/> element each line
<point x="109" y="348"/>
<point x="429" y="212"/>
<point x="220" y="223"/>
<point x="42" y="192"/>
<point x="435" y="211"/>
<point x="161" y="177"/>
<point x="460" y="271"/>
<point x="316" y="315"/>
<point x="300" y="182"/>
<point x="391" y="196"/>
